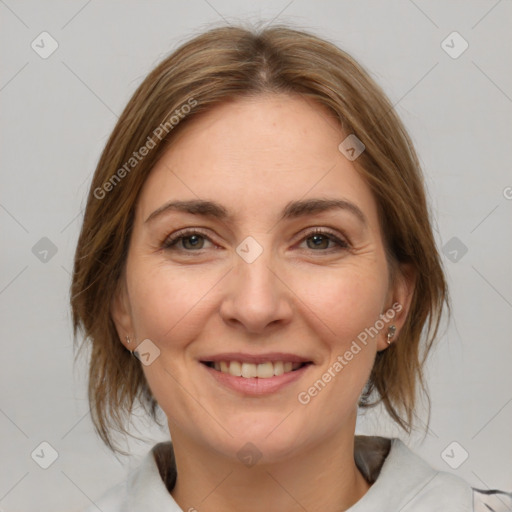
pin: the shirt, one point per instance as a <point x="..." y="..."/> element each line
<point x="401" y="481"/>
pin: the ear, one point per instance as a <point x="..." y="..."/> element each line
<point x="121" y="313"/>
<point x="398" y="302"/>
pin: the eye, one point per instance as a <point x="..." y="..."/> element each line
<point x="188" y="240"/>
<point x="321" y="238"/>
<point x="193" y="240"/>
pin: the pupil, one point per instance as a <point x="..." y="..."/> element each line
<point x="193" y="240"/>
<point x="319" y="239"/>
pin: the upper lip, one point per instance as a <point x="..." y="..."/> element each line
<point x="256" y="358"/>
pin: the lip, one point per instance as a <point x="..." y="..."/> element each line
<point x="255" y="386"/>
<point x="256" y="358"/>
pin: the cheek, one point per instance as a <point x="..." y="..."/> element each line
<point x="170" y="302"/>
<point x="340" y="311"/>
<point x="167" y="302"/>
<point x="346" y="301"/>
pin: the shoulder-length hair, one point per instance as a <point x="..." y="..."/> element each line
<point x="216" y="66"/>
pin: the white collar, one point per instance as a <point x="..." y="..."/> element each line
<point x="406" y="483"/>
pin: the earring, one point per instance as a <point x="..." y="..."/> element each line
<point x="132" y="352"/>
<point x="391" y="333"/>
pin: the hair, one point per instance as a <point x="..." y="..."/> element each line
<point x="216" y="66"/>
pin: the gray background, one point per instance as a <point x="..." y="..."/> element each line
<point x="56" y="115"/>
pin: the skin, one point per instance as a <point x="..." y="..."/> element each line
<point x="254" y="156"/>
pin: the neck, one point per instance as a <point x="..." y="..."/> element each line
<point x="319" y="478"/>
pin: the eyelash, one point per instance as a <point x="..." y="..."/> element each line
<point x="171" y="241"/>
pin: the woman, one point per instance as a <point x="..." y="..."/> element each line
<point x="257" y="235"/>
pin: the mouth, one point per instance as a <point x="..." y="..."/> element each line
<point x="250" y="370"/>
<point x="255" y="375"/>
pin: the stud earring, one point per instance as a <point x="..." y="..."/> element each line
<point x="128" y="341"/>
<point x="391" y="333"/>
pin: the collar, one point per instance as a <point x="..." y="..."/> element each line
<point x="400" y="480"/>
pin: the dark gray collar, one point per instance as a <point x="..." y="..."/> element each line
<point x="370" y="452"/>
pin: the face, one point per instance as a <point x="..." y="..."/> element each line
<point x="254" y="293"/>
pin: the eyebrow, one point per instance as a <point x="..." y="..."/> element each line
<point x="292" y="210"/>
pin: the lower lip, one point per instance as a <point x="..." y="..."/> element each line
<point x="254" y="386"/>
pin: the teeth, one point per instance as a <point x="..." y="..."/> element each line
<point x="262" y="371"/>
<point x="235" y="369"/>
<point x="249" y="370"/>
<point x="278" y="368"/>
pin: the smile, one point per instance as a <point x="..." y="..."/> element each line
<point x="247" y="370"/>
<point x="255" y="375"/>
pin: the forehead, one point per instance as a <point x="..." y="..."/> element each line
<point x="255" y="155"/>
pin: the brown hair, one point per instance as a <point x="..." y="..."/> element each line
<point x="220" y="65"/>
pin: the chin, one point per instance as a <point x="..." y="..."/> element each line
<point x="265" y="437"/>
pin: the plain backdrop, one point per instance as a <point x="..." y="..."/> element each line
<point x="56" y="114"/>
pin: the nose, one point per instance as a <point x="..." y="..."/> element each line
<point x="257" y="298"/>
